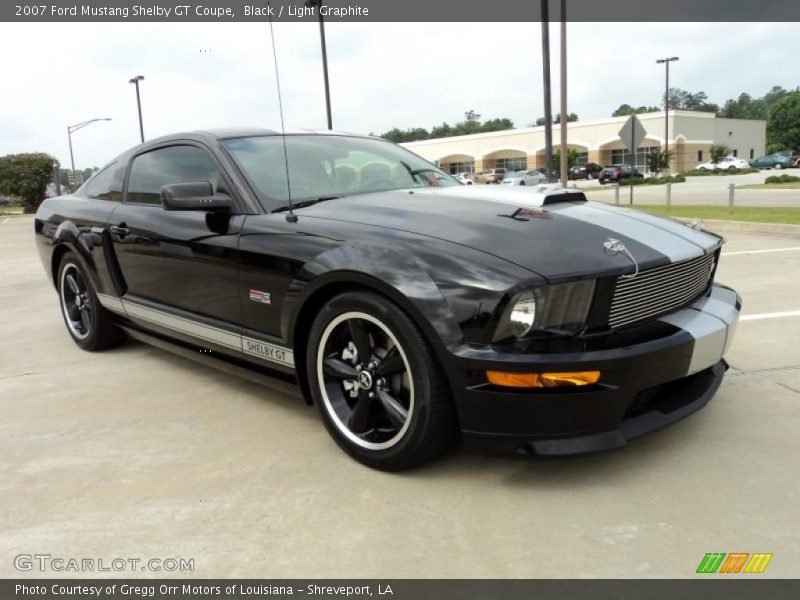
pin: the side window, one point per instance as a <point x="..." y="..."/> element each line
<point x="174" y="164"/>
<point x="101" y="185"/>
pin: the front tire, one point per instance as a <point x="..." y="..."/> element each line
<point x="89" y="324"/>
<point x="377" y="383"/>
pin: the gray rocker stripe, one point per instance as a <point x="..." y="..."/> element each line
<point x="257" y="348"/>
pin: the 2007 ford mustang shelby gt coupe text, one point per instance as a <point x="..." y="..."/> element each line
<point x="411" y="309"/>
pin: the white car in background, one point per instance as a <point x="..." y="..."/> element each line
<point x="729" y="162"/>
<point x="465" y="178"/>
<point x="523" y="178"/>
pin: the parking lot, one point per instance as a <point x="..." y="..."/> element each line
<point x="708" y="190"/>
<point x="138" y="453"/>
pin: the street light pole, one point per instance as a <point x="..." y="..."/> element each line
<point x="666" y="62"/>
<point x="564" y="157"/>
<point x="71" y="155"/>
<point x="548" y="116"/>
<point x="72" y="129"/>
<point x="318" y="4"/>
<point x="135" y="81"/>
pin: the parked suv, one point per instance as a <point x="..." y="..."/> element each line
<point x="614" y="173"/>
<point x="492" y="176"/>
<point x="587" y="171"/>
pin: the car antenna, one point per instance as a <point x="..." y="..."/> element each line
<point x="290" y="216"/>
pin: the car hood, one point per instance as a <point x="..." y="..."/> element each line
<point x="553" y="238"/>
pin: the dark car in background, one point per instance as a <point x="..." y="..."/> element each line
<point x="615" y="173"/>
<point x="411" y="309"/>
<point x="587" y="171"/>
<point x="774" y="161"/>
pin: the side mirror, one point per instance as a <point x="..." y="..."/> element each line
<point x="197" y="195"/>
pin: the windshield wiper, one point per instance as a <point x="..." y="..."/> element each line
<point x="305" y="203"/>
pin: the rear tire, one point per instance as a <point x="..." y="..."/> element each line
<point x="378" y="385"/>
<point x="89" y="324"/>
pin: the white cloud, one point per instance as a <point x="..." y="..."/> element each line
<point x="382" y="75"/>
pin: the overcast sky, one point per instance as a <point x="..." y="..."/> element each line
<point x="382" y="75"/>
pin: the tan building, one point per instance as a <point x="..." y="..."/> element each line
<point x="690" y="135"/>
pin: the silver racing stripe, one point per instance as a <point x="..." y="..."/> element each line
<point x="261" y="349"/>
<point x="674" y="245"/>
<point x="711" y="321"/>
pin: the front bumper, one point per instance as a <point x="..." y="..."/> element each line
<point x="646" y="384"/>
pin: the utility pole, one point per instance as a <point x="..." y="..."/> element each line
<point x="72" y="129"/>
<point x="564" y="162"/>
<point x="666" y="62"/>
<point x="317" y="4"/>
<point x="135" y="81"/>
<point x="548" y="114"/>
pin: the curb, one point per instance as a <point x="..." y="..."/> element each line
<point x="725" y="226"/>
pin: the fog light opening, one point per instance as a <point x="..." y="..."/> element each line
<point x="542" y="380"/>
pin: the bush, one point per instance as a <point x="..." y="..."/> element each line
<point x="782" y="179"/>
<point x="704" y="172"/>
<point x="653" y="180"/>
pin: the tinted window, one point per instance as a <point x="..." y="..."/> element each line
<point x="175" y="164"/>
<point x="329" y="165"/>
<point x="101" y="185"/>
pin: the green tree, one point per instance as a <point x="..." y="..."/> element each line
<point x="718" y="152"/>
<point x="500" y="124"/>
<point x="783" y="125"/>
<point x="625" y="110"/>
<point x="682" y="100"/>
<point x="471" y="124"/>
<point x="409" y="135"/>
<point x="471" y="115"/>
<point x="659" y="160"/>
<point x="571" y="118"/>
<point x="572" y="160"/>
<point x="25" y="176"/>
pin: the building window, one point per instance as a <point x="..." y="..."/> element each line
<point x="583" y="158"/>
<point x="461" y="167"/>
<point x="735" y="153"/>
<point x="699" y="156"/>
<point x="512" y="164"/>
<point x="752" y="153"/>
<point x="623" y="157"/>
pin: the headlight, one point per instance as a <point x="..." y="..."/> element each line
<point x="561" y="309"/>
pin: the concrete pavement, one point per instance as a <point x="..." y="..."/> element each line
<point x="137" y="453"/>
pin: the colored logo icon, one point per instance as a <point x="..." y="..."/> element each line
<point x="734" y="562"/>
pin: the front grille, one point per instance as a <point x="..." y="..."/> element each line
<point x="657" y="291"/>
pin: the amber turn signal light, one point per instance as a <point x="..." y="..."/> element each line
<point x="542" y="380"/>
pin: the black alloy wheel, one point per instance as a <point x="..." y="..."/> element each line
<point x="377" y="384"/>
<point x="89" y="324"/>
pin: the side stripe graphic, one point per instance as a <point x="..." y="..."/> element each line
<point x="260" y="349"/>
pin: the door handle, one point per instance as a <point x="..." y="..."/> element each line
<point x="119" y="230"/>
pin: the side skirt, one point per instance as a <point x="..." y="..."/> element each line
<point x="220" y="362"/>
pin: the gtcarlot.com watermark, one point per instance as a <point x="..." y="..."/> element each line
<point x="58" y="564"/>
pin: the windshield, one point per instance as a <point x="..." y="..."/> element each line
<point x="324" y="166"/>
<point x="512" y="174"/>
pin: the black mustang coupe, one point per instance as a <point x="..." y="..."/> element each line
<point x="411" y="309"/>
